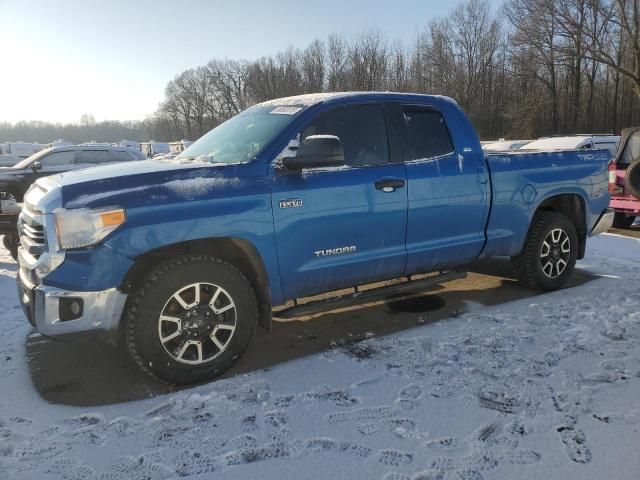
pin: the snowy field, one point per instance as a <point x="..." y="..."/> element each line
<point x="547" y="387"/>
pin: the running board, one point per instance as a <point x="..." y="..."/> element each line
<point x="398" y="291"/>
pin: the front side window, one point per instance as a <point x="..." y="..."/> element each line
<point x="57" y="158"/>
<point x="631" y="150"/>
<point x="427" y="133"/>
<point x="242" y="137"/>
<point x="361" y="129"/>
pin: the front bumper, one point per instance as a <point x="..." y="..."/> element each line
<point x="102" y="310"/>
<point x="604" y="223"/>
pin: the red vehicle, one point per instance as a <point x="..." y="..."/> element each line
<point x="624" y="179"/>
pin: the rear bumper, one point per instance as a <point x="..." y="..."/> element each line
<point x="628" y="204"/>
<point x="101" y="310"/>
<point x="604" y="223"/>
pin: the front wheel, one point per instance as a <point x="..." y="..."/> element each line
<point x="191" y="319"/>
<point x="549" y="254"/>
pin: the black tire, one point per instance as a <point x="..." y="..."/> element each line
<point x="528" y="265"/>
<point x="620" y="220"/>
<point x="11" y="243"/>
<point x="143" y="326"/>
<point x="633" y="178"/>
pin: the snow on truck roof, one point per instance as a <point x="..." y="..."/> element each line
<point x="311" y="99"/>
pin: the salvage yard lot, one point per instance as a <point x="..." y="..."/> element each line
<point x="477" y="379"/>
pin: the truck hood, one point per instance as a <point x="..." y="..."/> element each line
<point x="140" y="183"/>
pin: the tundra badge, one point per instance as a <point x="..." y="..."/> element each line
<point x="336" y="251"/>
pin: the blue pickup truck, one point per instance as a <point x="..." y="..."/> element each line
<point x="289" y="199"/>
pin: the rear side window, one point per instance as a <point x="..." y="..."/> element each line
<point x="631" y="150"/>
<point x="362" y="130"/>
<point x="427" y="134"/>
<point x="57" y="159"/>
<point x="92" y="157"/>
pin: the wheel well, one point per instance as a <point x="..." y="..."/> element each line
<point x="572" y="206"/>
<point x="238" y="252"/>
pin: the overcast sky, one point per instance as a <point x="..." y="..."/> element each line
<point x="112" y="59"/>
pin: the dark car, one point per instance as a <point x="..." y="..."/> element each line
<point x="15" y="181"/>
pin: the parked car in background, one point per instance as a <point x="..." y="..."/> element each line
<point x="505" y="145"/>
<point x="179" y="146"/>
<point x="624" y="179"/>
<point x="9" y="160"/>
<point x="129" y="144"/>
<point x="20" y="149"/>
<point x="289" y="199"/>
<point x="61" y="142"/>
<point x="575" y="142"/>
<point x="153" y="148"/>
<point x="15" y="181"/>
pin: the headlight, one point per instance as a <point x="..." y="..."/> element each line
<point x="84" y="227"/>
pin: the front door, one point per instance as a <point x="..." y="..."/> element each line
<point x="344" y="226"/>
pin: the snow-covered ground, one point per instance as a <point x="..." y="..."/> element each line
<point x="541" y="388"/>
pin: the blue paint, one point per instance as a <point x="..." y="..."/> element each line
<point x="453" y="209"/>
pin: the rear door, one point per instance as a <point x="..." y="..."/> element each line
<point x="447" y="190"/>
<point x="339" y="227"/>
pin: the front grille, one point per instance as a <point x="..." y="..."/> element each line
<point x="32" y="235"/>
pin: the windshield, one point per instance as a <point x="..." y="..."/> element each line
<point x="242" y="137"/>
<point x="29" y="160"/>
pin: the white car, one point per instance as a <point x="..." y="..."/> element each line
<point x="504" y="145"/>
<point x="575" y="142"/>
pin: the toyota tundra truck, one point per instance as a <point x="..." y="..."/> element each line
<point x="288" y="200"/>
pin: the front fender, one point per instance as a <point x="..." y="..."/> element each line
<point x="247" y="218"/>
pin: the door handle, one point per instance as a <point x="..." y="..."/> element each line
<point x="389" y="184"/>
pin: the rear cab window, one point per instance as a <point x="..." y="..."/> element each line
<point x="427" y="133"/>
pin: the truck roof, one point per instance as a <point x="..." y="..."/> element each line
<point x="311" y="99"/>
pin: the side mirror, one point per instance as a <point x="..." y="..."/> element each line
<point x="36" y="166"/>
<point x="316" y="151"/>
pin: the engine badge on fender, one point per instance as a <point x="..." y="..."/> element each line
<point x="291" y="203"/>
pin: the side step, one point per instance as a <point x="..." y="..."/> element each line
<point x="397" y="292"/>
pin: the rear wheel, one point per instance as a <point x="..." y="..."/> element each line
<point x="620" y="220"/>
<point x="633" y="178"/>
<point x="191" y="319"/>
<point x="549" y="254"/>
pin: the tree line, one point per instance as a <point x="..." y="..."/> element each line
<point x="532" y="68"/>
